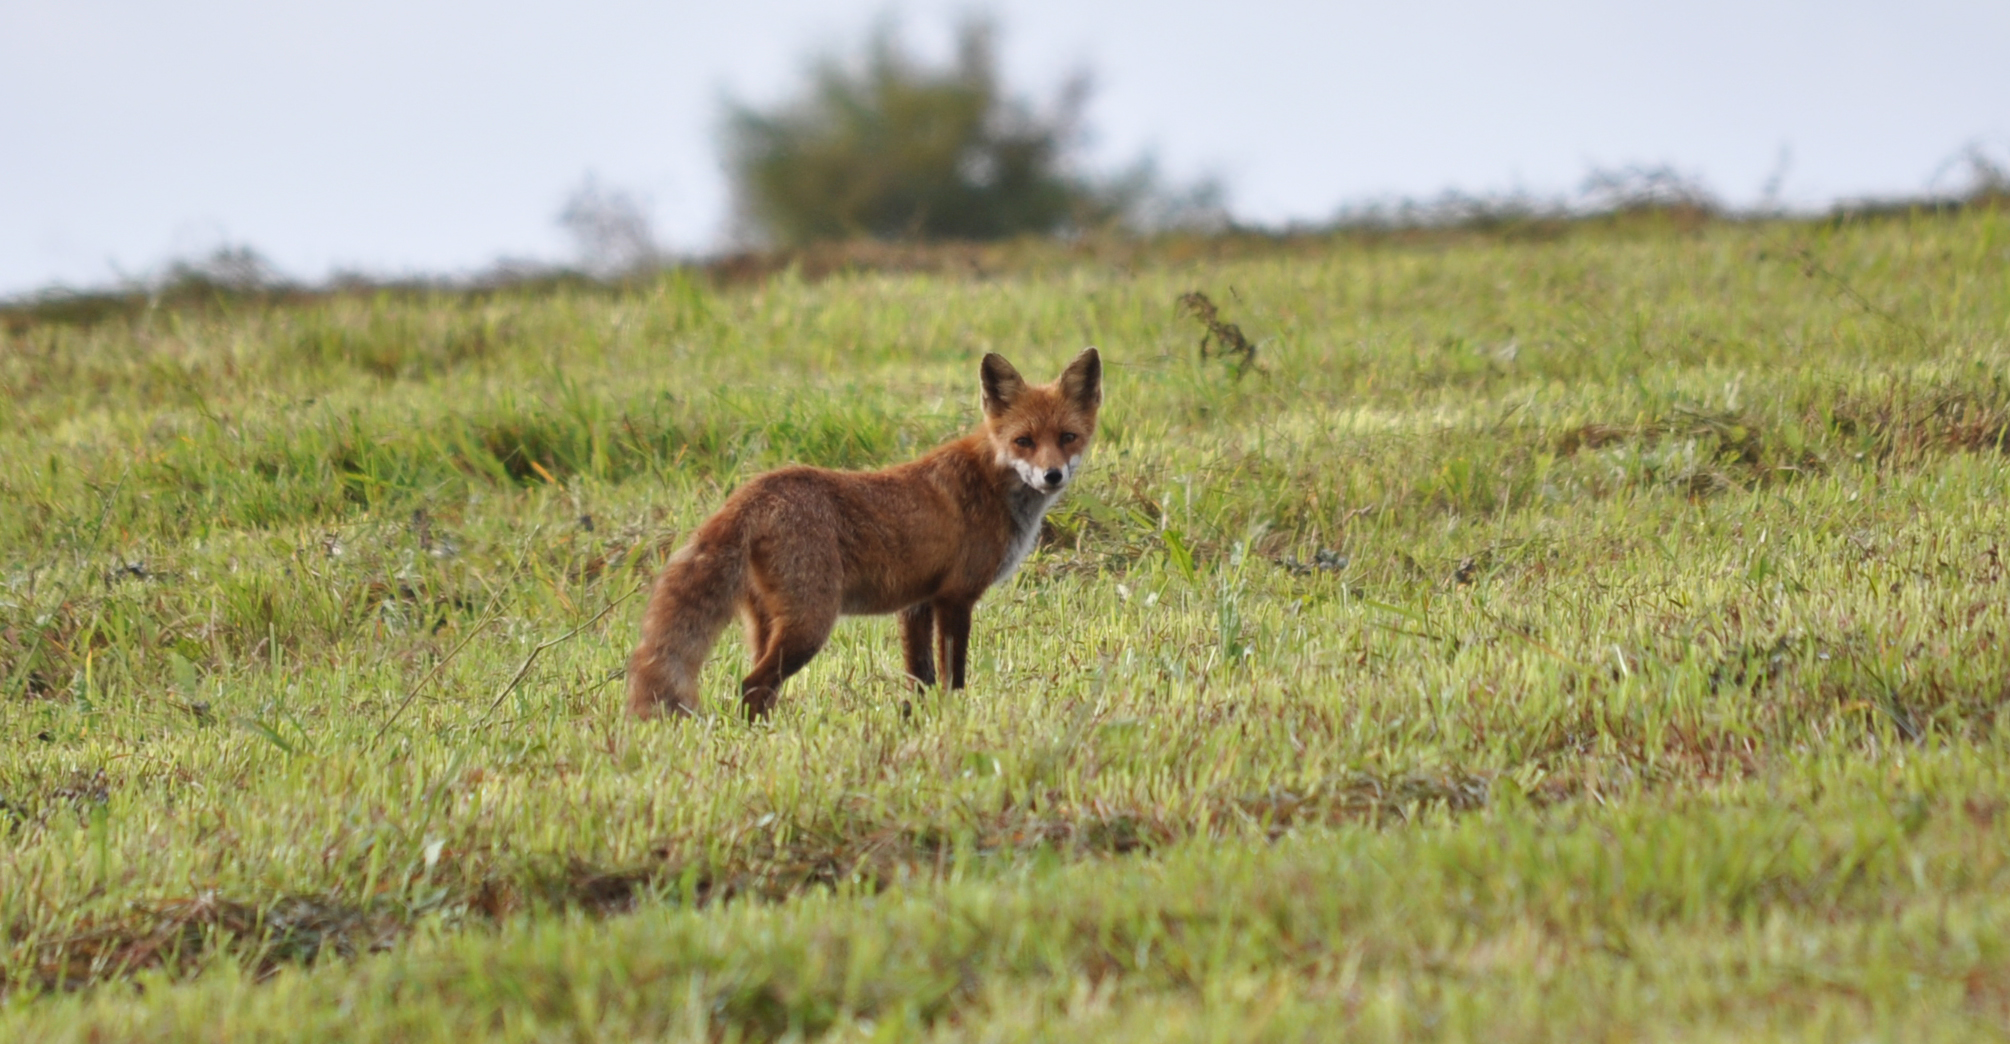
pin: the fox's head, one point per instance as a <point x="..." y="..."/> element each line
<point x="1041" y="431"/>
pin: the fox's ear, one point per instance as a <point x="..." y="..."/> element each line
<point x="1002" y="384"/>
<point x="1082" y="381"/>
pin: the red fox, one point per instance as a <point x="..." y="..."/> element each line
<point x="796" y="547"/>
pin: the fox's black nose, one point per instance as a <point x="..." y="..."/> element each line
<point x="1053" y="476"/>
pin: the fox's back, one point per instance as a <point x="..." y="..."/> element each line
<point x="886" y="538"/>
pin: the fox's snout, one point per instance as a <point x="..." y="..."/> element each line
<point x="1042" y="478"/>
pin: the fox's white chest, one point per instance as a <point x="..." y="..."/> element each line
<point x="1028" y="508"/>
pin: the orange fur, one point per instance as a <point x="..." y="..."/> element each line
<point x="793" y="549"/>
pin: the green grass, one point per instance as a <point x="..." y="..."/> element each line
<point x="1594" y="637"/>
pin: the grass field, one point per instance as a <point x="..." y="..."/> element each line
<point x="1594" y="636"/>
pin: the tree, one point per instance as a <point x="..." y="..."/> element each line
<point x="891" y="149"/>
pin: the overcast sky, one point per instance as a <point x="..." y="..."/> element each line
<point x="436" y="136"/>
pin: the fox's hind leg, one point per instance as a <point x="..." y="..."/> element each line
<point x="796" y="631"/>
<point x="792" y="645"/>
<point x="760" y="626"/>
<point x="952" y="633"/>
<point x="917" y="643"/>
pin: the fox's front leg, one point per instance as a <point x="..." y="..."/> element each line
<point x="917" y="643"/>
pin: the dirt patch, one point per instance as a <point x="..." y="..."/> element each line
<point x="777" y="861"/>
<point x="1734" y="451"/>
<point x="1905" y="424"/>
<point x="32" y="800"/>
<point x="178" y="933"/>
<point x="1737" y="438"/>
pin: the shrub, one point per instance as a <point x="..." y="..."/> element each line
<point x="889" y="148"/>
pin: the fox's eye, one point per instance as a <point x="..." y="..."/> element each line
<point x="1067" y="437"/>
<point x="1023" y="442"/>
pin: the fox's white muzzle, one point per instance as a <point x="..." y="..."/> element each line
<point x="1046" y="480"/>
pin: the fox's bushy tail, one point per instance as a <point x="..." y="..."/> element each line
<point x="694" y="598"/>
